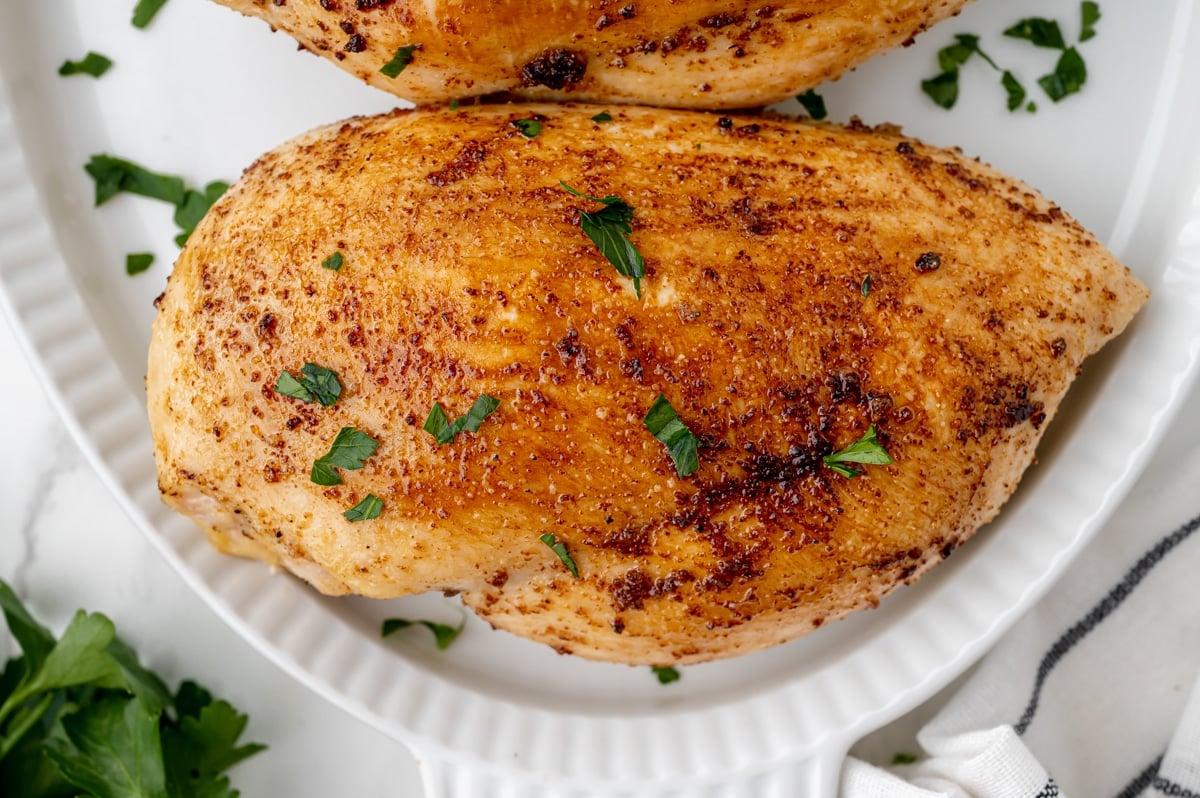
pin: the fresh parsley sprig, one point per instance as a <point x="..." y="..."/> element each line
<point x="865" y="451"/>
<point x="665" y="425"/>
<point x="350" y="450"/>
<point x="445" y="431"/>
<point x="609" y="228"/>
<point x="80" y="715"/>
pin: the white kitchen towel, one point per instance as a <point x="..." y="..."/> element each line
<point x="1088" y="695"/>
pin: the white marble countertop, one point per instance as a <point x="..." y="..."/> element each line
<point x="66" y="544"/>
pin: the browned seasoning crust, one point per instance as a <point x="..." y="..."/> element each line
<point x="695" y="54"/>
<point x="466" y="273"/>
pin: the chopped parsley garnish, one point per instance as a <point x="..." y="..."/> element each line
<point x="454" y="105"/>
<point x="92" y="64"/>
<point x="560" y="550"/>
<point x="814" y="104"/>
<point x="664" y="423"/>
<point x="1039" y="32"/>
<point x="864" y="451"/>
<point x="145" y="10"/>
<point x="350" y="448"/>
<point x="865" y="288"/>
<point x="114" y="176"/>
<point x="1016" y="92"/>
<point x="370" y="507"/>
<point x="529" y="128"/>
<point x="603" y="116"/>
<point x="81" y="716"/>
<point x="402" y="58"/>
<point x="314" y="383"/>
<point x="1090" y="15"/>
<point x="943" y="88"/>
<point x="1068" y="77"/>
<point x="904" y="758"/>
<point x="445" y="431"/>
<point x="334" y="262"/>
<point x="138" y="262"/>
<point x="666" y="674"/>
<point x="443" y="634"/>
<point x="609" y="228"/>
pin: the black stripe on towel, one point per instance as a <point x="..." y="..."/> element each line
<point x="1168" y="787"/>
<point x="1049" y="791"/>
<point x="1107" y="605"/>
<point x="1142" y="781"/>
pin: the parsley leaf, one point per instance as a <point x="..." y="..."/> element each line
<point x="202" y="744"/>
<point x="443" y="634"/>
<point x="110" y="749"/>
<point x="1070" y="73"/>
<point x="603" y="116"/>
<point x="138" y="262"/>
<point x="116" y="175"/>
<point x="1038" y="31"/>
<point x="903" y="758"/>
<point x="865" y="288"/>
<point x="33" y="638"/>
<point x="665" y="674"/>
<point x="866" y="451"/>
<point x="440" y="427"/>
<point x="1016" y="92"/>
<point x="93" y="64"/>
<point x="145" y="10"/>
<point x="1090" y="13"/>
<point x="608" y="228"/>
<point x="529" y="128"/>
<point x="814" y="104"/>
<point x="560" y="550"/>
<point x="370" y="507"/>
<point x="315" y="382"/>
<point x="942" y="89"/>
<point x="664" y="423"/>
<point x="333" y="262"/>
<point x="402" y="58"/>
<point x="350" y="449"/>
<point x="287" y="385"/>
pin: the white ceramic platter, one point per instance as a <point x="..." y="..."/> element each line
<point x="203" y="92"/>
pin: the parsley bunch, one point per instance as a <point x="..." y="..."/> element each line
<point x="80" y="716"/>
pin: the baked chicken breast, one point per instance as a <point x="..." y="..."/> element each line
<point x="809" y="292"/>
<point x="695" y="54"/>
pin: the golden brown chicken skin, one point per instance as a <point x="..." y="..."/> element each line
<point x="803" y="285"/>
<point x="695" y="54"/>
